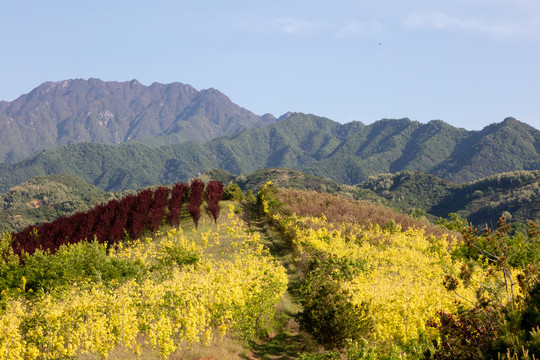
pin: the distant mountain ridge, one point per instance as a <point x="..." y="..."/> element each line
<point x="73" y="111"/>
<point x="346" y="153"/>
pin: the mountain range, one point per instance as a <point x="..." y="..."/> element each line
<point x="78" y="111"/>
<point x="125" y="135"/>
<point x="346" y="153"/>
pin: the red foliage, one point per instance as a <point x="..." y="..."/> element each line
<point x="106" y="222"/>
<point x="175" y="203"/>
<point x="465" y="335"/>
<point x="214" y="193"/>
<point x="157" y="208"/>
<point x="139" y="213"/>
<point x="195" y="200"/>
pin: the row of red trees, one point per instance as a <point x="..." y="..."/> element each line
<point x="130" y="216"/>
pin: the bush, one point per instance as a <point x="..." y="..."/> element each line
<point x="75" y="263"/>
<point x="328" y="313"/>
<point x="232" y="192"/>
<point x="502" y="319"/>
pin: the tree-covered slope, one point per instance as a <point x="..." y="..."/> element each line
<point x="408" y="190"/>
<point x="294" y="179"/>
<point x="348" y="153"/>
<point x="507" y="146"/>
<point x="481" y="202"/>
<point x="45" y="198"/>
<point x="113" y="168"/>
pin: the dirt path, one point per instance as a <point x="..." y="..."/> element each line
<point x="289" y="341"/>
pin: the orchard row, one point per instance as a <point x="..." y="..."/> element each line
<point x="129" y="216"/>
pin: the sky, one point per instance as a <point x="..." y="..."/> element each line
<point x="469" y="63"/>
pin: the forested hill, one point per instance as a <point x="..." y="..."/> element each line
<point x="481" y="202"/>
<point x="517" y="194"/>
<point x="71" y="111"/>
<point x="45" y="198"/>
<point x="347" y="153"/>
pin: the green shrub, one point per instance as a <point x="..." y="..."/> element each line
<point x="503" y="320"/>
<point x="328" y="313"/>
<point x="76" y="263"/>
<point x="329" y="355"/>
<point x="232" y="192"/>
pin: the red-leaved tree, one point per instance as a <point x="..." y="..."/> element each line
<point x="175" y="203"/>
<point x="157" y="208"/>
<point x="140" y="211"/>
<point x="214" y="193"/>
<point x="195" y="201"/>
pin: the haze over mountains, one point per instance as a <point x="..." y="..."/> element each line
<point x="88" y="119"/>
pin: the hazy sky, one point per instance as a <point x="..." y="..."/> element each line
<point x="467" y="62"/>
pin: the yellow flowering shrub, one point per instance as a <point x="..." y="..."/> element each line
<point x="180" y="301"/>
<point x="401" y="282"/>
<point x="12" y="344"/>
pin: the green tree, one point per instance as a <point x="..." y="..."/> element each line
<point x="328" y="313"/>
<point x="232" y="192"/>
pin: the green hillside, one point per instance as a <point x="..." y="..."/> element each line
<point x="410" y="191"/>
<point x="481" y="202"/>
<point x="348" y="153"/>
<point x="294" y="179"/>
<point x="45" y="198"/>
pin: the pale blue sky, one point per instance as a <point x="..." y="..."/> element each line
<point x="467" y="62"/>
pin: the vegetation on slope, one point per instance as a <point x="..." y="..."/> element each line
<point x="348" y="153"/>
<point x="517" y="194"/>
<point x="158" y="296"/>
<point x="294" y="179"/>
<point x="373" y="290"/>
<point x="45" y="198"/>
<point x="365" y="282"/>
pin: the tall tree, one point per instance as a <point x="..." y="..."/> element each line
<point x="195" y="200"/>
<point x="214" y="193"/>
<point x="175" y="203"/>
<point x="157" y="208"/>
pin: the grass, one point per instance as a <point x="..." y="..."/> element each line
<point x="285" y="341"/>
<point x="225" y="348"/>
